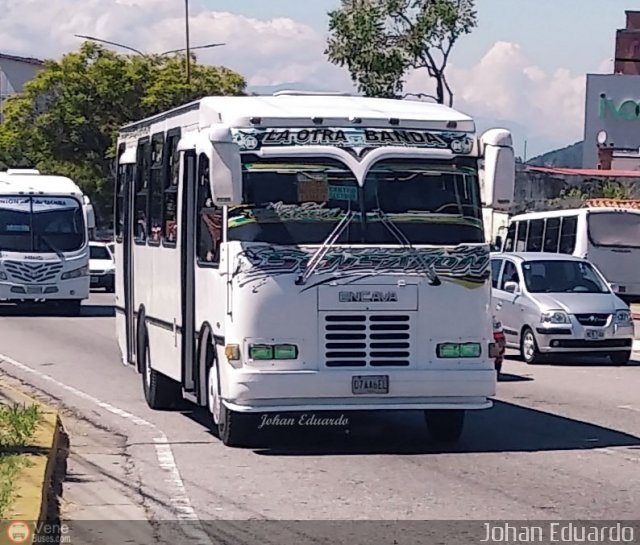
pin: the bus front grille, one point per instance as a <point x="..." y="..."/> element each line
<point x="373" y="340"/>
<point x="32" y="273"/>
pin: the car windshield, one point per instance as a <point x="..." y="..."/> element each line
<point x="619" y="229"/>
<point x="41" y="224"/>
<point x="290" y="202"/>
<point x="99" y="252"/>
<point x="558" y="276"/>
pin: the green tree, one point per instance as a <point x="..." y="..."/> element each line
<point x="379" y="41"/>
<point x="67" y="118"/>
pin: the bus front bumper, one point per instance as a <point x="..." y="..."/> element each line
<point x="295" y="391"/>
<point x="76" y="288"/>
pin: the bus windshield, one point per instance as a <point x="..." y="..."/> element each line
<point x="41" y="224"/>
<point x="300" y="203"/>
<point x="619" y="229"/>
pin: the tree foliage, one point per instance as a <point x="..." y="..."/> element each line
<point x="67" y="118"/>
<point x="379" y="41"/>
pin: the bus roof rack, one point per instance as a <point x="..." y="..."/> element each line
<point x="612" y="203"/>
<point x="292" y="92"/>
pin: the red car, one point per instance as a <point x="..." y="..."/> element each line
<point x="499" y="338"/>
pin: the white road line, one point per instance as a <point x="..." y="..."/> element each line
<point x="180" y="502"/>
<point x="629" y="408"/>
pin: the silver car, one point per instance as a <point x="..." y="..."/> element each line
<point x="553" y="303"/>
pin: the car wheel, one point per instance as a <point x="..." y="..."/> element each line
<point x="620" y="358"/>
<point x="529" y="347"/>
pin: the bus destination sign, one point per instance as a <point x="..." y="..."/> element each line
<point x="255" y="139"/>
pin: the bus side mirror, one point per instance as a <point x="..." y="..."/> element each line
<point x="497" y="178"/>
<point x="226" y="168"/>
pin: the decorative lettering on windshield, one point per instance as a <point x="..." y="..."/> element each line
<point x="468" y="263"/>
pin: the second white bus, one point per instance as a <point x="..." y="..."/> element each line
<point x="608" y="237"/>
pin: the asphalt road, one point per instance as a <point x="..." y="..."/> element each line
<point x="562" y="442"/>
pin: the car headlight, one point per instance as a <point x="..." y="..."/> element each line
<point x="76" y="273"/>
<point x="555" y="317"/>
<point x="623" y="317"/>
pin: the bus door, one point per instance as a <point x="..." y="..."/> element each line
<point x="187" y="275"/>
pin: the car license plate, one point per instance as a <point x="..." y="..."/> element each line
<point x="372" y="384"/>
<point x="33" y="290"/>
<point x="594" y="334"/>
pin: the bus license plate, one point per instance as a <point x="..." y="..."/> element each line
<point x="594" y="334"/>
<point x="33" y="290"/>
<point x="372" y="384"/>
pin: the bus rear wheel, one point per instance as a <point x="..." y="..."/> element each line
<point x="445" y="426"/>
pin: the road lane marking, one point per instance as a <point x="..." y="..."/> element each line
<point x="180" y="502"/>
<point x="629" y="408"/>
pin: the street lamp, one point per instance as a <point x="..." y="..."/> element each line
<point x="138" y="52"/>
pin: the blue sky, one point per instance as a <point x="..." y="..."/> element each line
<point x="555" y="33"/>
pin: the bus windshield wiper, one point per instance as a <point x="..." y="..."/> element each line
<point x="429" y="270"/>
<point x="58" y="252"/>
<point x="319" y="254"/>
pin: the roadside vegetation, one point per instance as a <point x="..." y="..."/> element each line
<point x="17" y="427"/>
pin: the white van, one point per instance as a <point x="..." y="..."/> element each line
<point x="608" y="237"/>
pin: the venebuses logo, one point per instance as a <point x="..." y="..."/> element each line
<point x="628" y="110"/>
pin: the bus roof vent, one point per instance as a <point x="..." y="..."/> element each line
<point x="23" y="171"/>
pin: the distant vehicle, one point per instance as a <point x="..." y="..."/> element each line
<point x="278" y="254"/>
<point x="608" y="236"/>
<point x="102" y="267"/>
<point x="558" y="304"/>
<point x="501" y="344"/>
<point x="44" y="251"/>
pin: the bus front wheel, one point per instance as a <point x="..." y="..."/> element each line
<point x="445" y="426"/>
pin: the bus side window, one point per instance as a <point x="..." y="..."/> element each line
<point x="155" y="191"/>
<point x="534" y="240"/>
<point x="120" y="186"/>
<point x="509" y="243"/>
<point x="141" y="205"/>
<point x="209" y="228"/>
<point x="521" y="237"/>
<point x="552" y="235"/>
<point x="568" y="234"/>
<point x="170" y="177"/>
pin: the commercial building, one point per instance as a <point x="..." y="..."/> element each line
<point x="14" y="73"/>
<point x="612" y="112"/>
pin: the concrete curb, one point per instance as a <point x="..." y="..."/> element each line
<point x="30" y="503"/>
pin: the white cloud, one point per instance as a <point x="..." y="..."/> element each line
<point x="504" y="85"/>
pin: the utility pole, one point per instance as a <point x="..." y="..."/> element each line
<point x="186" y="22"/>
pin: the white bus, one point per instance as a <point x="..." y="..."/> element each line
<point x="297" y="253"/>
<point x="609" y="237"/>
<point x="44" y="252"/>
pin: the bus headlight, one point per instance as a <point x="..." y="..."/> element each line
<point x="76" y="273"/>
<point x="273" y="352"/>
<point x="459" y="350"/>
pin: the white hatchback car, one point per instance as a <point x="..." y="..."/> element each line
<point x="555" y="303"/>
<point x="102" y="267"/>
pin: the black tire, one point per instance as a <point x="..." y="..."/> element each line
<point x="445" y="426"/>
<point x="533" y="356"/>
<point x="237" y="429"/>
<point x="620" y="358"/>
<point x="160" y="392"/>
